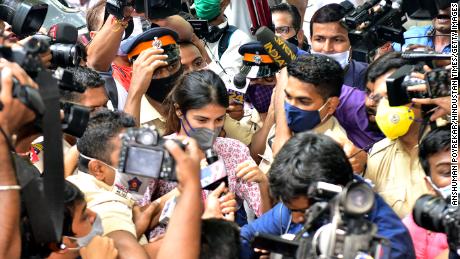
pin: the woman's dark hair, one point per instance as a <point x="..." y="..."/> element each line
<point x="72" y="196"/>
<point x="194" y="90"/>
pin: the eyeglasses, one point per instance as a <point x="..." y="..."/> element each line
<point x="283" y="29"/>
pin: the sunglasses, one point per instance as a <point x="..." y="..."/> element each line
<point x="283" y="29"/>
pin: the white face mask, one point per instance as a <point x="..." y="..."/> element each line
<point x="443" y="191"/>
<point x="342" y="57"/>
<point x="96" y="230"/>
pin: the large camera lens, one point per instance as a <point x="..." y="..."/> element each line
<point x="429" y="212"/>
<point x="358" y="199"/>
<point x="25" y="17"/>
<point x="66" y="55"/>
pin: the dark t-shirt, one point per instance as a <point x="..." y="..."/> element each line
<point x="355" y="75"/>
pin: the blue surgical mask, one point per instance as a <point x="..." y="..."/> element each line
<point x="445" y="191"/>
<point x="96" y="230"/>
<point x="300" y="120"/>
<point x="204" y="136"/>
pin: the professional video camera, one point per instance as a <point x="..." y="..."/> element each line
<point x="153" y="9"/>
<point x="376" y="22"/>
<point x="438" y="215"/>
<point x="335" y="226"/>
<point x="142" y="153"/>
<point x="437" y="83"/>
<point x="25" y="16"/>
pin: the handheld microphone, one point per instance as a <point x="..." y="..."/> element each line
<point x="276" y="47"/>
<point x="239" y="81"/>
<point x="425" y="55"/>
<point x="63" y="33"/>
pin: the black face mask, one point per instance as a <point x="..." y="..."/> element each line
<point x="160" y="88"/>
<point x="294" y="40"/>
<point x="215" y="33"/>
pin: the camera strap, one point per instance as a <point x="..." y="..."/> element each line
<point x="52" y="216"/>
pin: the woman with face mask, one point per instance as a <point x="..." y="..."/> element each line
<point x="197" y="107"/>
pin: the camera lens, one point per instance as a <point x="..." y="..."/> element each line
<point x="65" y="55"/>
<point x="358" y="199"/>
<point x="429" y="212"/>
<point x="25" y="17"/>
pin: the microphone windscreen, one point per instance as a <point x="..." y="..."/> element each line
<point x="239" y="81"/>
<point x="276" y="47"/>
<point x="63" y="33"/>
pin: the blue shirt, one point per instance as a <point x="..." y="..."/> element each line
<point x="420" y="31"/>
<point x="277" y="221"/>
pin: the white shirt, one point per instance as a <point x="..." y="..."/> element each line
<point x="231" y="59"/>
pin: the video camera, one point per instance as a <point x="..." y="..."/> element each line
<point x="153" y="9"/>
<point x="335" y="226"/>
<point x="438" y="215"/>
<point x="376" y="22"/>
<point x="437" y="82"/>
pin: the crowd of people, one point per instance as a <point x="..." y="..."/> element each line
<point x="325" y="117"/>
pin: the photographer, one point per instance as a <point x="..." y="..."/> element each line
<point x="94" y="98"/>
<point x="393" y="164"/>
<point x="435" y="36"/>
<point x="434" y="154"/>
<point x="305" y="159"/>
<point x="14" y="117"/>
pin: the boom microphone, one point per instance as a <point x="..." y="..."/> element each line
<point x="63" y="33"/>
<point x="276" y="47"/>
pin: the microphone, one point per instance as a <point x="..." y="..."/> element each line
<point x="276" y="47"/>
<point x="239" y="81"/>
<point x="63" y="33"/>
<point x="425" y="55"/>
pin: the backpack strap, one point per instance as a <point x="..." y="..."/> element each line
<point x="225" y="40"/>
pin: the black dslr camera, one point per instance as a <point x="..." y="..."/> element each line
<point x="335" y="226"/>
<point x="438" y="215"/>
<point x="142" y="153"/>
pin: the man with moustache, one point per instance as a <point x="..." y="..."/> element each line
<point x="435" y="36"/>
